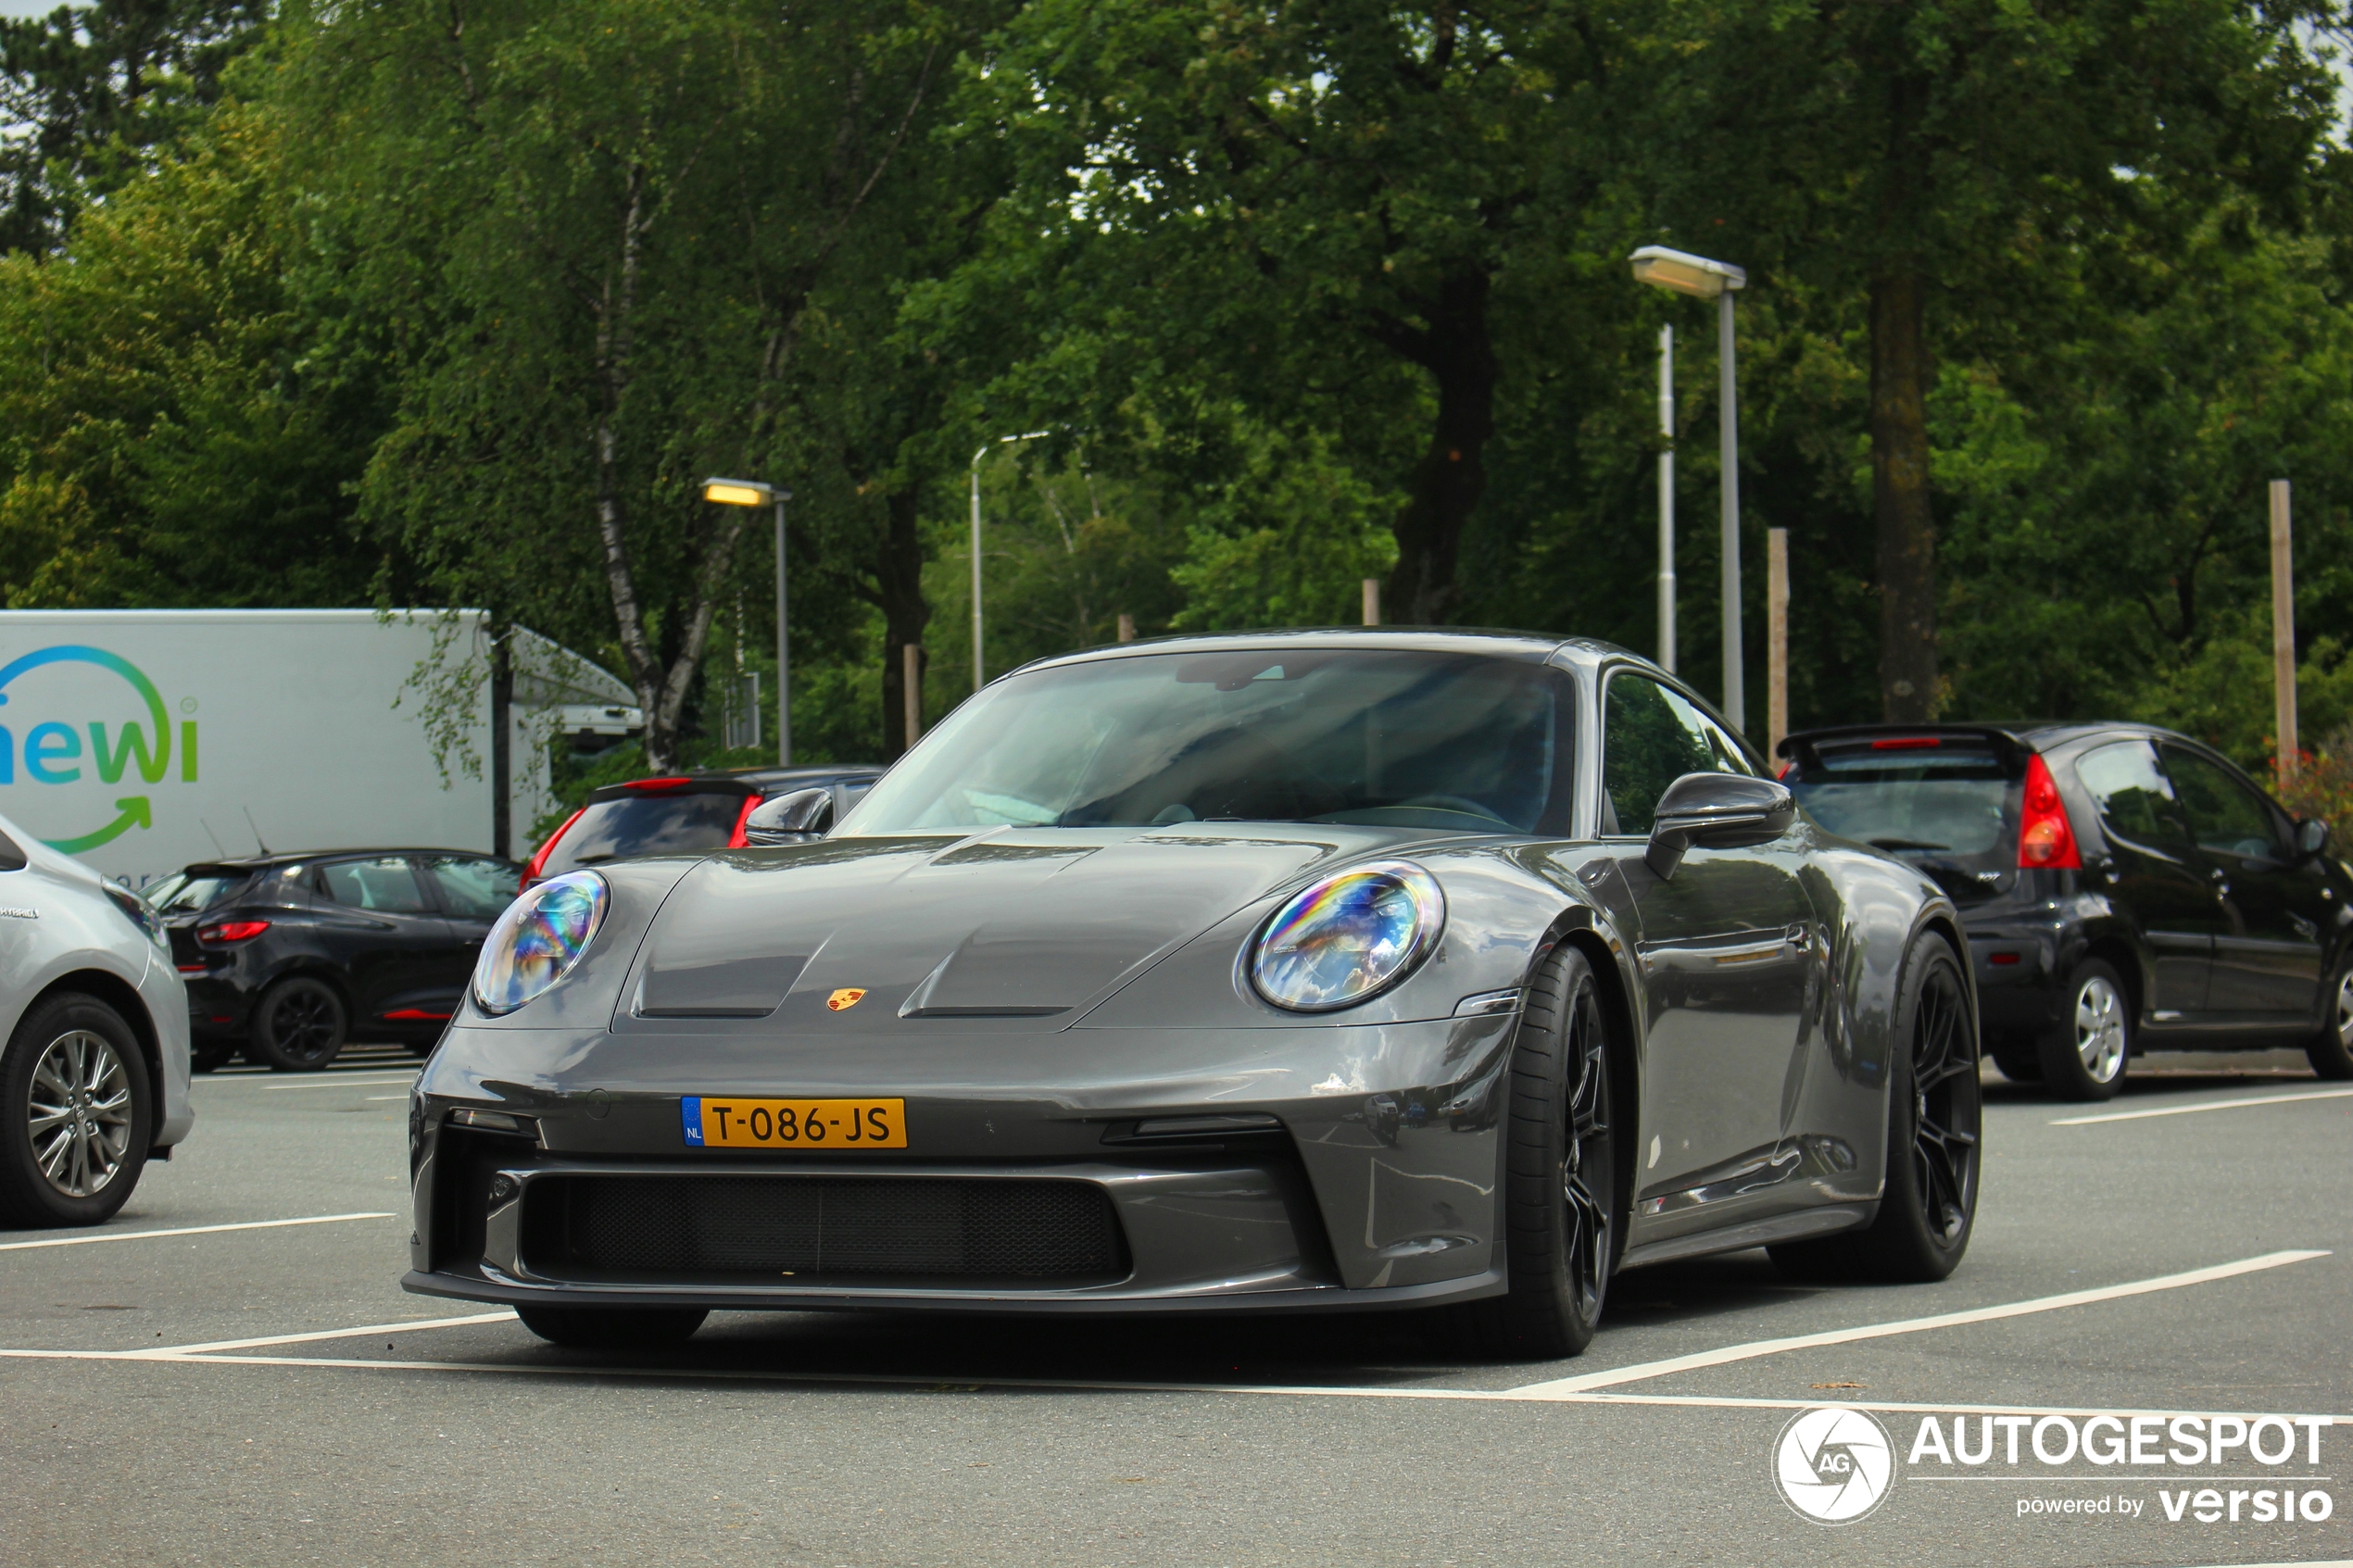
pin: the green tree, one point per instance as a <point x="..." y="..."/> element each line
<point x="1939" y="157"/>
<point x="596" y="230"/>
<point x="91" y="96"/>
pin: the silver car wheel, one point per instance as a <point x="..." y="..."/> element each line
<point x="2099" y="1028"/>
<point x="79" y="1113"/>
<point x="2345" y="1008"/>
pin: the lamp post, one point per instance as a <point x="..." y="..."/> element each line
<point x="752" y="493"/>
<point x="1719" y="281"/>
<point x="985" y="448"/>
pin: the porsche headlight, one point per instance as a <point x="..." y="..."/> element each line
<point x="1348" y="938"/>
<point x="538" y="939"/>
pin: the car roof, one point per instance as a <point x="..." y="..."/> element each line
<point x="1534" y="648"/>
<point x="2034" y="735"/>
<point x="240" y="863"/>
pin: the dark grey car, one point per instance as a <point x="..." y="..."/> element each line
<point x="1294" y="970"/>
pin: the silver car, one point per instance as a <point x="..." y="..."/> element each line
<point x="95" y="1079"/>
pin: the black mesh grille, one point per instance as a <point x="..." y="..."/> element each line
<point x="914" y="1230"/>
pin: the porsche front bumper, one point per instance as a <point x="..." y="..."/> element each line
<point x="1260" y="1170"/>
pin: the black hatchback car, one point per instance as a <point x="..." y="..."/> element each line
<point x="286" y="957"/>
<point x="2126" y="889"/>
<point x="691" y="811"/>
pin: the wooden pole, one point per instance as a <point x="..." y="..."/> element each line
<point x="1127" y="628"/>
<point x="1372" y="601"/>
<point x="1776" y="639"/>
<point x="2283" y="636"/>
<point x="911" y="684"/>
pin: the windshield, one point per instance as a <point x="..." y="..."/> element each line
<point x="1404" y="739"/>
<point x="1950" y="798"/>
<point x="647" y="824"/>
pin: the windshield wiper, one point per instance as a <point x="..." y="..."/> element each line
<point x="1904" y="843"/>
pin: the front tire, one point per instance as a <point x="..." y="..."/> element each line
<point x="76" y="1114"/>
<point x="1564" y="1200"/>
<point x="613" y="1328"/>
<point x="1934" y="1116"/>
<point x="2331" y="1050"/>
<point x="2085" y="1058"/>
<point x="298" y="1025"/>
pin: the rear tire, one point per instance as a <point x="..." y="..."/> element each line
<point x="1934" y="1114"/>
<point x="2331" y="1050"/>
<point x="77" y="1113"/>
<point x="1564" y="1196"/>
<point x="298" y="1025"/>
<point x="2084" y="1057"/>
<point x="613" y="1328"/>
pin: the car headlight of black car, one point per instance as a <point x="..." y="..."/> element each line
<point x="1349" y="937"/>
<point x="538" y="940"/>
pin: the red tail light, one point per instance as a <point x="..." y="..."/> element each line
<point x="2045" y="838"/>
<point x="232" y="931"/>
<point x="736" y="840"/>
<point x="1906" y="743"/>
<point x="531" y="872"/>
<point x="657" y="787"/>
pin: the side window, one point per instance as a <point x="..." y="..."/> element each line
<point x="470" y="888"/>
<point x="387" y="884"/>
<point x="2135" y="800"/>
<point x="1651" y="736"/>
<point x="2224" y="815"/>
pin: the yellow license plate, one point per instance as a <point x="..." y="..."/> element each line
<point x="713" y="1123"/>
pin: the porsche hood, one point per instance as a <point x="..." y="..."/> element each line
<point x="867" y="932"/>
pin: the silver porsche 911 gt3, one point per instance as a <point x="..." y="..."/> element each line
<point x="1293" y="970"/>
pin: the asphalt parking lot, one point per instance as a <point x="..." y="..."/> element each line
<point x="228" y="1373"/>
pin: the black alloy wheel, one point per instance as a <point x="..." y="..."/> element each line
<point x="1947" y="1109"/>
<point x="613" y="1328"/>
<point x="299" y="1026"/>
<point x="2331" y="1050"/>
<point x="1564" y="1210"/>
<point x="76" y="1114"/>
<point x="1935" y="1120"/>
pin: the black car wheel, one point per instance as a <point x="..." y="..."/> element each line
<point x="2085" y="1058"/>
<point x="2331" y="1050"/>
<point x="1563" y="1204"/>
<point x="613" y="1328"/>
<point x="1934" y="1116"/>
<point x="299" y="1026"/>
<point x="76" y="1114"/>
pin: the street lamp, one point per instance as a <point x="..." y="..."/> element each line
<point x="752" y="493"/>
<point x="985" y="448"/>
<point x="1703" y="279"/>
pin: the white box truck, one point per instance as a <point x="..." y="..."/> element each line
<point x="141" y="740"/>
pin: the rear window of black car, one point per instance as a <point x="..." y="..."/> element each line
<point x="645" y="824"/>
<point x="199" y="892"/>
<point x="1920" y="796"/>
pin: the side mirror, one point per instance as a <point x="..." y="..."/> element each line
<point x="793" y="818"/>
<point x="2311" y="836"/>
<point x="1717" y="811"/>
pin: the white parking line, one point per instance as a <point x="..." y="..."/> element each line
<point x="970" y="1383"/>
<point x="2208" y="1105"/>
<point x="336" y="1084"/>
<point x="185" y="1230"/>
<point x="503" y="1315"/>
<point x="1644" y="1370"/>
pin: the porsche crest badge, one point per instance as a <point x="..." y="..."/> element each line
<point x="844" y="999"/>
